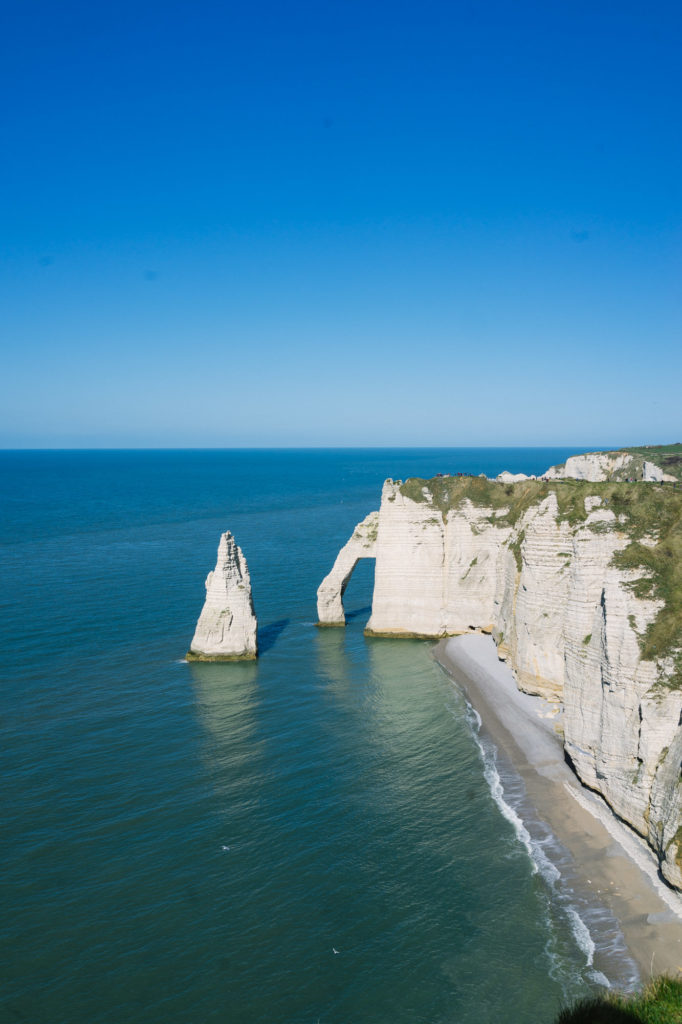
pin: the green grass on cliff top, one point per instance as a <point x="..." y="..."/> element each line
<point x="659" y="1003"/>
<point x="647" y="511"/>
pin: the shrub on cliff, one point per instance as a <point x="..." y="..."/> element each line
<point x="659" y="1003"/>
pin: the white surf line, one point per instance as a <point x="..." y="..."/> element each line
<point x="540" y="862"/>
<point x="496" y="789"/>
<point x="561" y="896"/>
<point x="551" y="874"/>
<point x="632" y="845"/>
<point x="582" y="935"/>
<point x="538" y="858"/>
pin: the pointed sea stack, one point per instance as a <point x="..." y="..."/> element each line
<point x="227" y="627"/>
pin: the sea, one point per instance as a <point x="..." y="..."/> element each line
<point x="320" y="837"/>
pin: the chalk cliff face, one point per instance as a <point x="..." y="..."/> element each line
<point x="227" y="627"/>
<point x="593" y="467"/>
<point x="652" y="472"/>
<point x="565" y="617"/>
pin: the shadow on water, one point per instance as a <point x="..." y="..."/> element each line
<point x="270" y="634"/>
<point x="367" y="611"/>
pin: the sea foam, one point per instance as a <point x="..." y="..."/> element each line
<point x="544" y="850"/>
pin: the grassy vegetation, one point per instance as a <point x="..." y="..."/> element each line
<point x="640" y="504"/>
<point x="650" y="515"/>
<point x="515" y="547"/>
<point x="657" y="512"/>
<point x="369" y="534"/>
<point x="659" y="1003"/>
<point x="448" y="492"/>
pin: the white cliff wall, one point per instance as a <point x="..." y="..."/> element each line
<point x="434" y="577"/>
<point x="409" y="576"/>
<point x="654" y="474"/>
<point x="593" y="466"/>
<point x="568" y="623"/>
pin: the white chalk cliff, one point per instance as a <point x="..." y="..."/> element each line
<point x="653" y="473"/>
<point x="505" y="477"/>
<point x="227" y="627"/>
<point x="599" y="466"/>
<point x="565" y="617"/>
<point x="361" y="544"/>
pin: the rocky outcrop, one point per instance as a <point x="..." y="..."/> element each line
<point x="654" y="474"/>
<point x="600" y="466"/>
<point x="227" y="627"/>
<point x="594" y="466"/>
<point x="451" y="557"/>
<point x="505" y="477"/>
<point x="362" y="544"/>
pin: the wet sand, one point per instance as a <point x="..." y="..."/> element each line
<point x="612" y="865"/>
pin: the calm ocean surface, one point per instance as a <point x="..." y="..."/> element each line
<point x="191" y="843"/>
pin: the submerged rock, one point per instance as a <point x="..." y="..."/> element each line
<point x="227" y="627"/>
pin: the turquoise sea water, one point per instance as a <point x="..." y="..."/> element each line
<point x="191" y="843"/>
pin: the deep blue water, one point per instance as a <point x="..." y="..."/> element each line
<point x="190" y="843"/>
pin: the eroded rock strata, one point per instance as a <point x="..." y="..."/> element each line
<point x="572" y="580"/>
<point x="227" y="628"/>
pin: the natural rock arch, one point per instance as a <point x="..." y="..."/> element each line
<point x="362" y="544"/>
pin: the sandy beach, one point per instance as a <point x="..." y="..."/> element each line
<point x="609" y="865"/>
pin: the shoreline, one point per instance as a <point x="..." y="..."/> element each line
<point x="610" y="866"/>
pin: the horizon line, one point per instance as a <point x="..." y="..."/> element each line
<point x="331" y="447"/>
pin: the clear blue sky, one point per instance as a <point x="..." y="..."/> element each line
<point x="340" y="223"/>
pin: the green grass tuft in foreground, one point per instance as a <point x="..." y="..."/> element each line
<point x="659" y="1003"/>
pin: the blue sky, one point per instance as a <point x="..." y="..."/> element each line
<point x="340" y="223"/>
